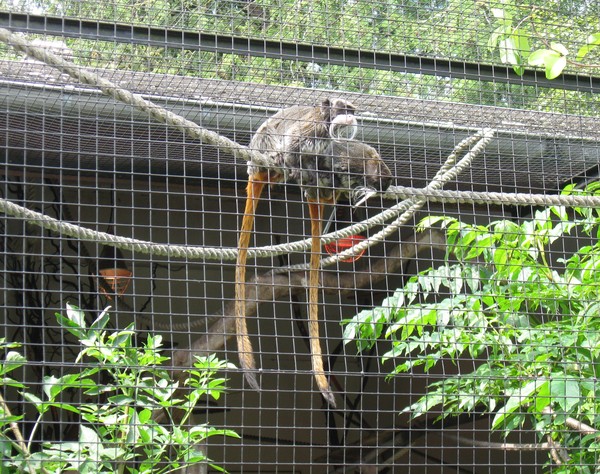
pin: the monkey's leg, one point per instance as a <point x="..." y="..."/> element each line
<point x="256" y="183"/>
<point x="316" y="213"/>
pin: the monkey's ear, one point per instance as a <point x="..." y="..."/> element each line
<point x="326" y="107"/>
<point x="350" y="108"/>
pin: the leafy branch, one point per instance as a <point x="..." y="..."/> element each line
<point x="528" y="324"/>
<point x="117" y="432"/>
<point x="513" y="40"/>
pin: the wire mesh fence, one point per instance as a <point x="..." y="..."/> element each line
<point x="458" y="336"/>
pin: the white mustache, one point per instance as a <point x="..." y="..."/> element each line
<point x="343" y="127"/>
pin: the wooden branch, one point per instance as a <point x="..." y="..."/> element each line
<point x="276" y="286"/>
<point x="463" y="440"/>
<point x="573" y="423"/>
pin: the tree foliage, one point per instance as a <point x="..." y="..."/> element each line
<point x="118" y="387"/>
<point x="528" y="325"/>
<point x="519" y="28"/>
<point x="537" y="33"/>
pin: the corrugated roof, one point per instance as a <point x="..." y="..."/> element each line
<point x="50" y="121"/>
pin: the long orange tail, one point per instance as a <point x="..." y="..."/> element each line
<point x="316" y="213"/>
<point x="256" y="183"/>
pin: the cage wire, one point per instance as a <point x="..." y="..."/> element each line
<point x="457" y="306"/>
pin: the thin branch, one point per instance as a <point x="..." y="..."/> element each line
<point x="501" y="446"/>
<point x="557" y="452"/>
<point x="573" y="423"/>
<point x="20" y="441"/>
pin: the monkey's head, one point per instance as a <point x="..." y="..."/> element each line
<point x="339" y="115"/>
<point x="360" y="165"/>
<point x="359" y="169"/>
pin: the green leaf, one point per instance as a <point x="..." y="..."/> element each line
<point x="88" y="436"/>
<point x="101" y="321"/>
<point x="429" y="221"/>
<point x="521" y="41"/>
<point x="76" y="316"/>
<point x="132" y="432"/>
<point x="145" y="434"/>
<point x="70" y="326"/>
<point x="52" y="387"/>
<point x="145" y="415"/>
<point x="592" y="42"/>
<point x="554" y="60"/>
<point x="520" y="397"/>
<point x="122" y="400"/>
<point x="539" y="57"/>
<point x="542" y="399"/>
<point x="34" y="399"/>
<point x="509" y="53"/>
<point x="554" y="67"/>
<point x="8" y="382"/>
<point x="566" y="393"/>
<point x="497" y="35"/>
<point x="519" y="70"/>
<point x="122" y="339"/>
<point x="12" y="361"/>
<point x="559" y="48"/>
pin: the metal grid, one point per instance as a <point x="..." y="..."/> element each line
<point x="71" y="153"/>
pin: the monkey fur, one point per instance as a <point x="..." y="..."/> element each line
<point x="299" y="140"/>
<point x="301" y="131"/>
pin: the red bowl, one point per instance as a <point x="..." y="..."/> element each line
<point x="344" y="244"/>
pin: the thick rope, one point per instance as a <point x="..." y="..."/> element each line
<point x="428" y="193"/>
<point x="492" y="198"/>
<point x="191" y="129"/>
<point x="195" y="252"/>
<point x="416" y="198"/>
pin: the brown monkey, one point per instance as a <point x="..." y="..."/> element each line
<point x="299" y="139"/>
<point x="301" y="132"/>
<point x="346" y="165"/>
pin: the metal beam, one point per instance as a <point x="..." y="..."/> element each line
<point x="276" y="49"/>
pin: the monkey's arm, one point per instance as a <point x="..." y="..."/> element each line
<point x="256" y="183"/>
<point x="316" y="213"/>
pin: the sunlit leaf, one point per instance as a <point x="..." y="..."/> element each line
<point x="12" y="361"/>
<point x="560" y="48"/>
<point x="76" y="316"/>
<point x="509" y="53"/>
<point x="539" y="57"/>
<point x="520" y="397"/>
<point x="88" y="436"/>
<point x="554" y="67"/>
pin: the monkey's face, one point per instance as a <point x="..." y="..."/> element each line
<point x="358" y="170"/>
<point x="339" y="114"/>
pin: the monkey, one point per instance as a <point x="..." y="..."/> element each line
<point x="301" y="131"/>
<point x="307" y="145"/>
<point x="346" y="165"/>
